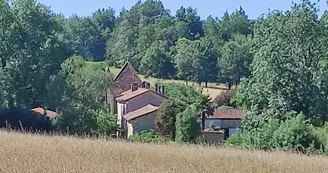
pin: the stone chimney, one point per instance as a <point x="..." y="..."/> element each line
<point x="156" y="88"/>
<point x="147" y="85"/>
<point x="159" y="89"/>
<point x="134" y="87"/>
<point x="143" y="85"/>
<point x="163" y="90"/>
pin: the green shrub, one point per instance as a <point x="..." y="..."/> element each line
<point x="166" y="118"/>
<point x="295" y="134"/>
<point x="148" y="136"/>
<point x="187" y="127"/>
<point x="261" y="136"/>
<point x="106" y="123"/>
<point x="224" y="98"/>
<point x="235" y="140"/>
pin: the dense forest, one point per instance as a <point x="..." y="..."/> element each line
<point x="278" y="63"/>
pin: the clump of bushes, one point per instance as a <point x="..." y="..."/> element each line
<point x="24" y="120"/>
<point x="293" y="134"/>
<point x="148" y="136"/>
<point x="224" y="98"/>
<point x="187" y="127"/>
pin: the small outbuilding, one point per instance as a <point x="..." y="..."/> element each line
<point x="141" y="119"/>
<point x="228" y="120"/>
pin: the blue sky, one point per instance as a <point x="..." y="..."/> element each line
<point x="254" y="8"/>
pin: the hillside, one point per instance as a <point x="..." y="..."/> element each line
<point x="212" y="90"/>
<point x="29" y="153"/>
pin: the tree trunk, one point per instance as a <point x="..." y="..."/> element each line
<point x="203" y="121"/>
<point x="229" y="86"/>
<point x="206" y="84"/>
<point x="10" y="102"/>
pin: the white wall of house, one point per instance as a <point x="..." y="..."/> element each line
<point x="121" y="110"/>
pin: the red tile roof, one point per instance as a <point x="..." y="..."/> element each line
<point x="127" y="95"/>
<point x="48" y="113"/>
<point x="140" y="112"/>
<point x="39" y="110"/>
<point x="228" y="114"/>
<point x="52" y="114"/>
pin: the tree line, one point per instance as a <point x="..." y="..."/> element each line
<point x="164" y="45"/>
<point x="44" y="55"/>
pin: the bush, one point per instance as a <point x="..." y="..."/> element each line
<point x="235" y="140"/>
<point x="166" y="118"/>
<point x="106" y="123"/>
<point x="187" y="127"/>
<point x="260" y="137"/>
<point x="184" y="93"/>
<point x="295" y="134"/>
<point x="224" y="99"/>
<point x="271" y="133"/>
<point x="148" y="136"/>
<point x="20" y="119"/>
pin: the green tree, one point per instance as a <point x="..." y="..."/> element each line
<point x="184" y="93"/>
<point x="30" y="54"/>
<point x="236" y="23"/>
<point x="79" y="93"/>
<point x="166" y="118"/>
<point x="105" y="20"/>
<point x="295" y="134"/>
<point x="196" y="60"/>
<point x="85" y="37"/>
<point x="135" y="32"/>
<point x="106" y="123"/>
<point x="235" y="61"/>
<point x="286" y="70"/>
<point x="187" y="126"/>
<point x="157" y="62"/>
<point x="212" y="31"/>
<point x="191" y="19"/>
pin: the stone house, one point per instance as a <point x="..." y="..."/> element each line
<point x="122" y="82"/>
<point x="227" y="119"/>
<point x="137" y="109"/>
<point x="133" y="102"/>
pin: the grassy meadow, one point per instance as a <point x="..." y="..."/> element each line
<point x="38" y="153"/>
<point x="212" y="90"/>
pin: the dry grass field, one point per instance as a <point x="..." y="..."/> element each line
<point x="33" y="153"/>
<point x="212" y="90"/>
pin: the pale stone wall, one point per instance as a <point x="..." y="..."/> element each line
<point x="212" y="137"/>
<point x="143" y="100"/>
<point x="145" y="122"/>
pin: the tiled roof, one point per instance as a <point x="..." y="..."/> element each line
<point x="48" y="113"/>
<point x="39" y="110"/>
<point x="127" y="95"/>
<point x="140" y="112"/>
<point x="125" y="78"/>
<point x="228" y="114"/>
<point x="52" y="114"/>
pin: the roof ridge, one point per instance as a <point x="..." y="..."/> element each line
<point x="138" y="113"/>
<point x="125" y="66"/>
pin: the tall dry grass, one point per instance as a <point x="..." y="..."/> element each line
<point x="32" y="153"/>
